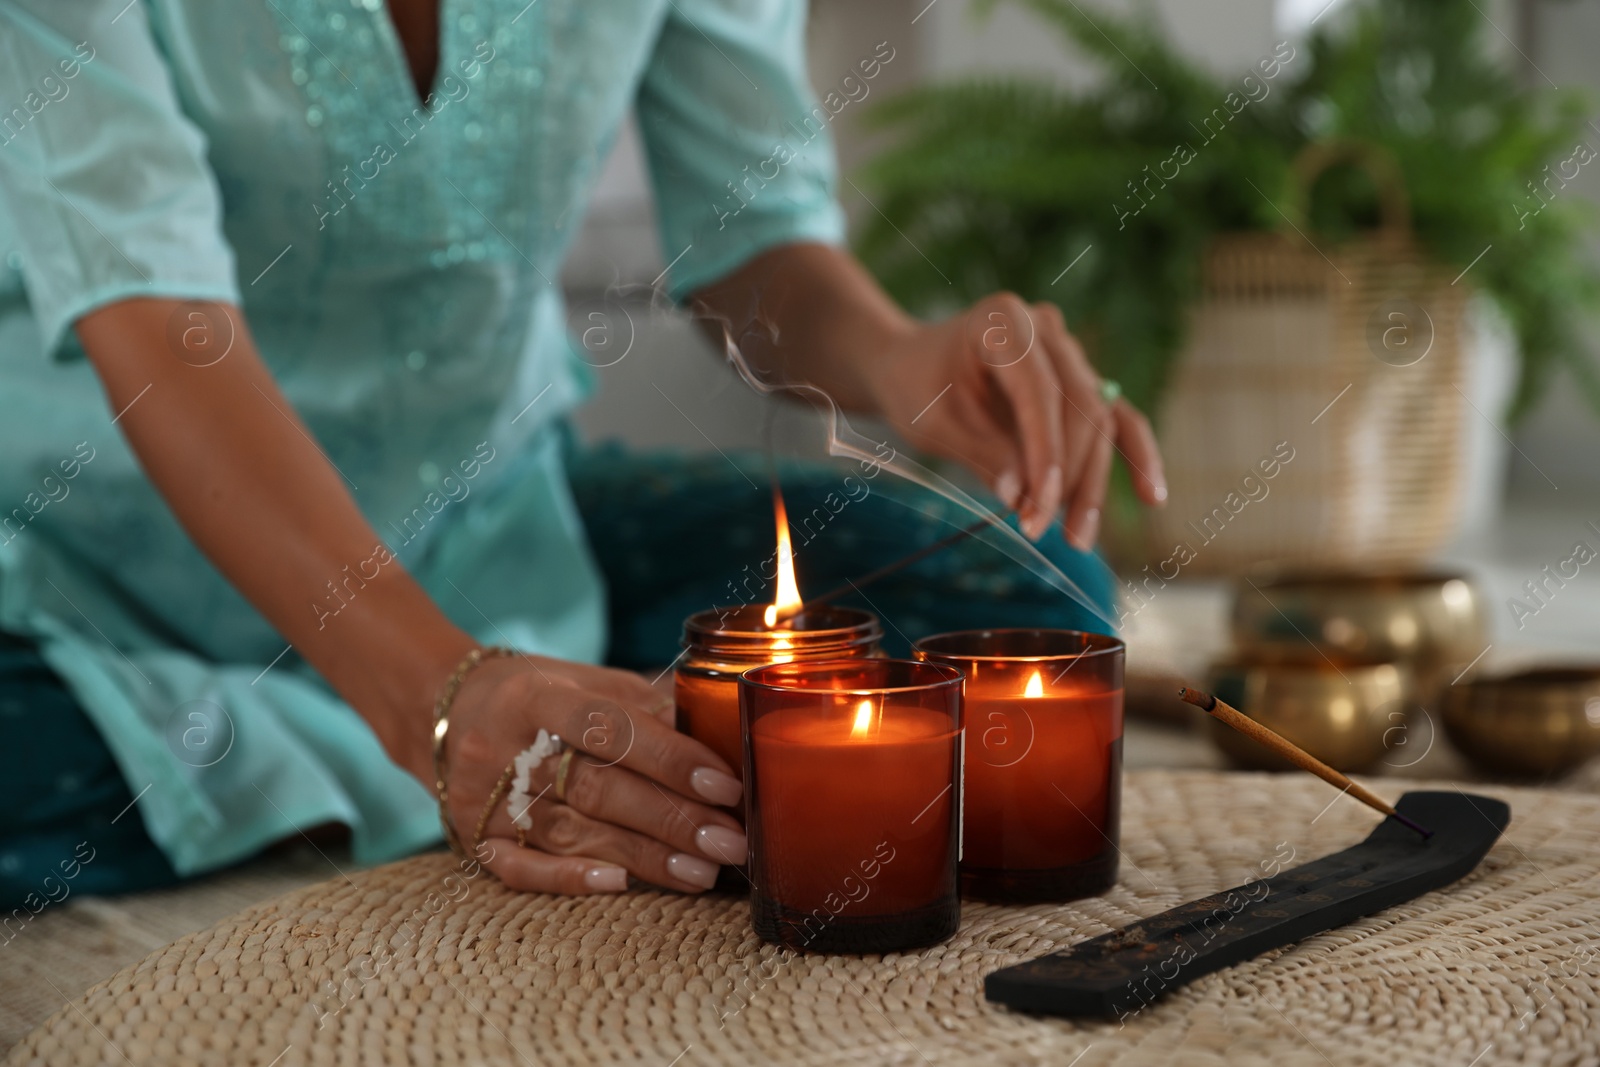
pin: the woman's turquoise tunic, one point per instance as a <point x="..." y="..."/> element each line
<point x="396" y="260"/>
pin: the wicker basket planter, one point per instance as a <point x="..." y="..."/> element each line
<point x="1315" y="418"/>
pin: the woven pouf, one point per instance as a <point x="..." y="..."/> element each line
<point x="415" y="964"/>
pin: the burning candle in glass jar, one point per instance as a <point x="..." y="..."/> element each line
<point x="852" y="770"/>
<point x="723" y="643"/>
<point x="1043" y="713"/>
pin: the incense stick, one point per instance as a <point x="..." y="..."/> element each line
<point x="884" y="571"/>
<point x="1238" y="720"/>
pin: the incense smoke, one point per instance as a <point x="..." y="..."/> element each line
<point x="845" y="442"/>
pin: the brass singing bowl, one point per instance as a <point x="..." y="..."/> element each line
<point x="1538" y="722"/>
<point x="1432" y="621"/>
<point x="1340" y="712"/>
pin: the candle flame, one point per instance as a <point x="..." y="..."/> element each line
<point x="863" y="722"/>
<point x="1035" y="686"/>
<point x="788" y="598"/>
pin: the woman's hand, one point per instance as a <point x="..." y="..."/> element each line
<point x="1006" y="389"/>
<point x="1002" y="387"/>
<point x="640" y="798"/>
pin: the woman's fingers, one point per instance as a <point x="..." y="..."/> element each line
<point x="618" y="795"/>
<point x="612" y="814"/>
<point x="975" y="424"/>
<point x="1082" y="524"/>
<point x="617" y="735"/>
<point x="1137" y="443"/>
<point x="529" y="871"/>
<point x="1008" y="342"/>
<point x="1026" y="412"/>
<point x="562" y="830"/>
<point x="1086" y="422"/>
<point x="1091" y="433"/>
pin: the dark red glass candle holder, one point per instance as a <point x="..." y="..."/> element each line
<point x="1043" y="716"/>
<point x="852" y="781"/>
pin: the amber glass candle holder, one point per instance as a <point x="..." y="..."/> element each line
<point x="853" y="793"/>
<point x="1043" y="717"/>
<point x="723" y="643"/>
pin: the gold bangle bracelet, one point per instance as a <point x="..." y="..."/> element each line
<point x="500" y="788"/>
<point x="441" y="729"/>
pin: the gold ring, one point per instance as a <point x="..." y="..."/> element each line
<point x="488" y="809"/>
<point x="561" y="774"/>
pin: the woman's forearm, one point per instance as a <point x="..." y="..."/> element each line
<point x="255" y="493"/>
<point x="807" y="313"/>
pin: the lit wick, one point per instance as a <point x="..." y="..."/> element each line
<point x="788" y="599"/>
<point x="867" y="720"/>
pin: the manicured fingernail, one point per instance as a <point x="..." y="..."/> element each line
<point x="1087" y="529"/>
<point x="722" y="844"/>
<point x="606" y="879"/>
<point x="691" y="869"/>
<point x="1008" y="489"/>
<point x="1034" y="523"/>
<point x="716" y="787"/>
<point x="1050" y="493"/>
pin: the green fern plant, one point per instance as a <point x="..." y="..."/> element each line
<point x="1018" y="184"/>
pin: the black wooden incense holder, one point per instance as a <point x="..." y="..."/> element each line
<point x="1116" y="975"/>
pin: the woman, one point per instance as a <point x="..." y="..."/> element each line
<point x="285" y="370"/>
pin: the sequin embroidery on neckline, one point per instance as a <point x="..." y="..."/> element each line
<point x="388" y="153"/>
<point x="496" y="161"/>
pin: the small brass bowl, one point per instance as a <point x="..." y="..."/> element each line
<point x="1538" y="722"/>
<point x="1434" y="622"/>
<point x="1338" y="712"/>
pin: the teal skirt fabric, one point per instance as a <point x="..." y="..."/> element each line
<point x="69" y="819"/>
<point x="678" y="534"/>
<point x="673" y="535"/>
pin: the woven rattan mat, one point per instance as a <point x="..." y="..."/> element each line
<point x="1502" y="967"/>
